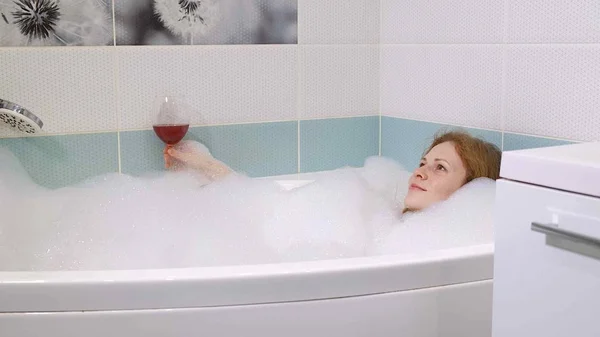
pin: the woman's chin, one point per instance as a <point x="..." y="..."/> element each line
<point x="414" y="205"/>
<point x="411" y="206"/>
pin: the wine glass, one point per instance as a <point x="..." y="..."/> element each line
<point x="171" y="119"/>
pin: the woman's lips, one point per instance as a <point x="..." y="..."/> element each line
<point x="416" y="187"/>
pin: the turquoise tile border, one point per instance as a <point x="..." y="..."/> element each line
<point x="520" y="142"/>
<point x="405" y="140"/>
<point x="261" y="149"/>
<point x="57" y="161"/>
<point x="333" y="143"/>
<point x="141" y="152"/>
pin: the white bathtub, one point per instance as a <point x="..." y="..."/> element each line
<point x="441" y="293"/>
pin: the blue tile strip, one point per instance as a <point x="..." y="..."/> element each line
<point x="520" y="142"/>
<point x="141" y="152"/>
<point x="57" y="161"/>
<point x="261" y="149"/>
<point x="333" y="143"/>
<point x="406" y="140"/>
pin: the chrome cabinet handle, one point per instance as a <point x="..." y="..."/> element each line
<point x="567" y="240"/>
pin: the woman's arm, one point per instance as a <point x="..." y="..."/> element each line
<point x="195" y="159"/>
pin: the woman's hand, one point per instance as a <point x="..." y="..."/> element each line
<point x="167" y="157"/>
<point x="196" y="158"/>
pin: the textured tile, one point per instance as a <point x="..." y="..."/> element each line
<point x="70" y="89"/>
<point x="339" y="81"/>
<point x="160" y="22"/>
<point x="68" y="23"/>
<point x="141" y="152"/>
<point x="454" y="84"/>
<point x="520" y="142"/>
<point x="57" y="161"/>
<point x="559" y="21"/>
<point x="329" y="144"/>
<point x="553" y="91"/>
<point x="222" y="84"/>
<point x="338" y="22"/>
<point x="406" y="140"/>
<point x="442" y="21"/>
<point x="261" y="149"/>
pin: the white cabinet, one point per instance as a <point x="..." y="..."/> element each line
<point x="547" y="246"/>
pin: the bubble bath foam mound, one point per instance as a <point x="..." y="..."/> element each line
<point x="180" y="219"/>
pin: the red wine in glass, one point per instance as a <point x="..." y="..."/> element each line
<point x="171" y="134"/>
<point x="172" y="120"/>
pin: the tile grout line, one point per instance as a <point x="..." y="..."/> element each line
<point x="501" y="43"/>
<point x="502" y="141"/>
<point x="549" y="44"/>
<point x="379" y="74"/>
<point x="298" y="147"/>
<point x="114" y="24"/>
<point x="296" y="121"/>
<point x="443" y="123"/>
<point x="380" y="137"/>
<point x="116" y="88"/>
<point x="491" y="130"/>
<point x="503" y="79"/>
<point x="298" y="108"/>
<point x="299" y="91"/>
<point x="503" y="99"/>
<point x="298" y="103"/>
<point x="191" y="126"/>
<point x="119" y="151"/>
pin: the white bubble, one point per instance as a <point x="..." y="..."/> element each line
<point x="464" y="219"/>
<point x="179" y="219"/>
<point x="322" y="220"/>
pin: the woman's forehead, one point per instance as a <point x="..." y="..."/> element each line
<point x="445" y="151"/>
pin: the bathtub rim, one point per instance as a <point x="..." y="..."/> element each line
<point x="242" y="284"/>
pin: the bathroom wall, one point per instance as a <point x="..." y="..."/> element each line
<point x="521" y="73"/>
<point x="276" y="86"/>
<point x="319" y="85"/>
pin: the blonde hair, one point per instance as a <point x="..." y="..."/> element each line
<point x="479" y="157"/>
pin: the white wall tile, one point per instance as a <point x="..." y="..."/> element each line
<point x="566" y="21"/>
<point x="70" y="88"/>
<point x="338" y="22"/>
<point x="454" y="84"/>
<point x="442" y="21"/>
<point x="339" y="81"/>
<point x="553" y="91"/>
<point x="222" y="84"/>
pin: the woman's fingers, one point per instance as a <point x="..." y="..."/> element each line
<point x="168" y="161"/>
<point x="179" y="155"/>
<point x="167" y="157"/>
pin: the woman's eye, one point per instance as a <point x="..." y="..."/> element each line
<point x="441" y="167"/>
<point x="421" y="164"/>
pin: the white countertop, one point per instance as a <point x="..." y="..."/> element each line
<point x="572" y="167"/>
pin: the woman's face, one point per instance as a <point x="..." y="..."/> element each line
<point x="440" y="173"/>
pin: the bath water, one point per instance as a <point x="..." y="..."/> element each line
<point x="179" y="219"/>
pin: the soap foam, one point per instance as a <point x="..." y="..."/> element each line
<point x="178" y="219"/>
<point x="464" y="219"/>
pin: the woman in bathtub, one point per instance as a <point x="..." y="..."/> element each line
<point x="452" y="160"/>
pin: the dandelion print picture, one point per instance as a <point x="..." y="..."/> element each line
<point x="187" y="18"/>
<point x="56" y="23"/>
<point x="194" y="22"/>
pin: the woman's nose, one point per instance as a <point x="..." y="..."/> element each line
<point x="420" y="172"/>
